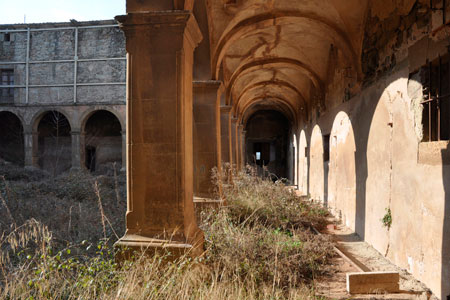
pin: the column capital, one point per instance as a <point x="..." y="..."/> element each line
<point x="153" y="22"/>
<point x="206" y="84"/>
<point x="234" y="120"/>
<point x="225" y="109"/>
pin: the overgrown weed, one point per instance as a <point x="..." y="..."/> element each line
<point x="259" y="246"/>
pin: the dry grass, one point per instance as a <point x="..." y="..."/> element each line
<point x="258" y="247"/>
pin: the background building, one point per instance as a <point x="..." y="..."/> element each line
<point x="62" y="95"/>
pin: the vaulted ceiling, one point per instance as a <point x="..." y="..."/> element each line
<point x="276" y="54"/>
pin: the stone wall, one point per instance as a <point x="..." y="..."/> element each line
<point x="75" y="82"/>
<point x="98" y="65"/>
<point x="378" y="160"/>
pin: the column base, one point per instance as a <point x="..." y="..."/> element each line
<point x="31" y="167"/>
<point x="201" y="204"/>
<point x="137" y="244"/>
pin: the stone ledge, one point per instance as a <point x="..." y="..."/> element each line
<point x="434" y="153"/>
<point x="133" y="243"/>
<point x="373" y="282"/>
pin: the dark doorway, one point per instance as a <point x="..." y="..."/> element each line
<point x="11" y="138"/>
<point x="90" y="158"/>
<point x="267" y="142"/>
<point x="103" y="142"/>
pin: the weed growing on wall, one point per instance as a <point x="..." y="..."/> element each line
<point x="387" y="219"/>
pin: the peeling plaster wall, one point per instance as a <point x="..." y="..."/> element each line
<point x="388" y="175"/>
<point x="378" y="147"/>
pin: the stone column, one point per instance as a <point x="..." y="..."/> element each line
<point x="233" y="141"/>
<point x="30" y="148"/>
<point x="225" y="125"/>
<point x="124" y="150"/>
<point x="243" y="152"/>
<point x="207" y="136"/>
<point x="160" y="212"/>
<point x="239" y="146"/>
<point x="76" y="149"/>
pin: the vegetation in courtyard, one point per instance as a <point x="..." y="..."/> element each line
<point x="57" y="235"/>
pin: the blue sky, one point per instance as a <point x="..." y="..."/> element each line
<point x="39" y="11"/>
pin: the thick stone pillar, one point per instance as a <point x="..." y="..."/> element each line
<point x="242" y="149"/>
<point x="239" y="146"/>
<point x="124" y="150"/>
<point x="225" y="126"/>
<point x="160" y="210"/>
<point x="207" y="136"/>
<point x="233" y="141"/>
<point x="30" y="148"/>
<point x="76" y="149"/>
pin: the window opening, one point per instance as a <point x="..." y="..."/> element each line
<point x="7" y="37"/>
<point x="436" y="100"/>
<point x="6" y="83"/>
<point x="258" y="155"/>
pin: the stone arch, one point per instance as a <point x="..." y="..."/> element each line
<point x="342" y="171"/>
<point x="256" y="64"/>
<point x="89" y="112"/>
<point x="37" y="117"/>
<point x="101" y="140"/>
<point x="279" y="104"/>
<point x="278" y="83"/>
<point x="11" y="138"/>
<point x="316" y="169"/>
<point x="303" y="164"/>
<point x="240" y="28"/>
<point x="54" y="142"/>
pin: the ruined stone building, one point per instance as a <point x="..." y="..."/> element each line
<point x="348" y="99"/>
<point x="62" y="95"/>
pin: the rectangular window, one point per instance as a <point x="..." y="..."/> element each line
<point x="258" y="155"/>
<point x="436" y="103"/>
<point x="7" y="37"/>
<point x="6" y="83"/>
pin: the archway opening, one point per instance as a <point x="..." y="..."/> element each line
<point x="317" y="163"/>
<point x="54" y="143"/>
<point x="342" y="171"/>
<point x="267" y="143"/>
<point x="303" y="164"/>
<point x="103" y="142"/>
<point x="11" y="138"/>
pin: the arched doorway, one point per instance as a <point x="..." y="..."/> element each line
<point x="303" y="164"/>
<point x="54" y="143"/>
<point x="267" y="142"/>
<point x="316" y="169"/>
<point x="11" y="138"/>
<point x="342" y="173"/>
<point x="103" y="141"/>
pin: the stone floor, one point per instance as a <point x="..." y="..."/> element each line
<point x="363" y="256"/>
